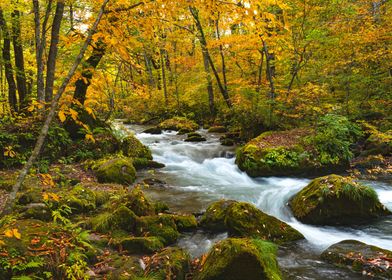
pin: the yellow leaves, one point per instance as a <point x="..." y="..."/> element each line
<point x="89" y="137"/>
<point x="47" y="180"/>
<point x="9" y="152"/>
<point x="62" y="116"/>
<point x="50" y="196"/>
<point x="73" y="113"/>
<point x="12" y="233"/>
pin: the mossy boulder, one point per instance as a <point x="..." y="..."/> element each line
<point x="115" y="170"/>
<point x="217" y="129"/>
<point x="143" y="163"/>
<point x="141" y="245"/>
<point x="361" y="258"/>
<point x="121" y="218"/>
<point x="214" y="217"/>
<point x="132" y="147"/>
<point x="179" y="123"/>
<point x="161" y="226"/>
<point x="234" y="258"/>
<point x="38" y="211"/>
<point x="80" y="199"/>
<point x="195" y="137"/>
<point x="227" y="142"/>
<point x="170" y="263"/>
<point x="336" y="200"/>
<point x="245" y="220"/>
<point x="138" y="202"/>
<point x="120" y="267"/>
<point x="153" y="130"/>
<point x="185" y="222"/>
<point x="292" y="152"/>
<point x="242" y="219"/>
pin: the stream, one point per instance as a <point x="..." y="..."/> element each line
<point x="197" y="174"/>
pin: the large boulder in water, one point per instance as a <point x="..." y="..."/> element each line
<point x="360" y="257"/>
<point x="336" y="200"/>
<point x="132" y="147"/>
<point x="179" y="124"/>
<point x="242" y="219"/>
<point x="236" y="259"/>
<point x="115" y="170"/>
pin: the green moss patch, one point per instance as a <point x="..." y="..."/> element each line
<point x="179" y="123"/>
<point x="214" y="217"/>
<point x="132" y="147"/>
<point x="234" y="258"/>
<point x="141" y="245"/>
<point x="335" y="200"/>
<point x="115" y="170"/>
<point x="162" y="226"/>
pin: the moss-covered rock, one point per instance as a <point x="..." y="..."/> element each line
<point x="162" y="226"/>
<point x="336" y="200"/>
<point x="138" y="202"/>
<point x="179" y="123"/>
<point x="143" y="163"/>
<point x="153" y="130"/>
<point x="80" y="199"/>
<point x="227" y="142"/>
<point x="160" y="207"/>
<point x="245" y="220"/>
<point x="170" y="263"/>
<point x="115" y="170"/>
<point x="121" y="218"/>
<point x="217" y="129"/>
<point x="361" y="258"/>
<point x="132" y="147"/>
<point x="185" y="222"/>
<point x="195" y="137"/>
<point x="214" y="217"/>
<point x="120" y="267"/>
<point x="38" y="211"/>
<point x="141" y="245"/>
<point x="233" y="258"/>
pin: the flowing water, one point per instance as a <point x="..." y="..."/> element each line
<point x="197" y="174"/>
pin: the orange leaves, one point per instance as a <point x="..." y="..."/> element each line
<point x="50" y="196"/>
<point x="10" y="233"/>
<point x="9" y="152"/>
<point x="47" y="180"/>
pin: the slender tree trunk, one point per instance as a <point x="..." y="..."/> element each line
<point x="6" y="53"/>
<point x="203" y="43"/>
<point x="19" y="60"/>
<point x="51" y="114"/>
<point x="222" y="55"/>
<point x="260" y="72"/>
<point x="210" y="88"/>
<point x="151" y="80"/>
<point x="270" y="79"/>
<point x="163" y="69"/>
<point x="53" y="49"/>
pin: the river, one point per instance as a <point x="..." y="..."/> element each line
<point x="197" y="174"/>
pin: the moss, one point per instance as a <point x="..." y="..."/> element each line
<point x="335" y="200"/>
<point x="163" y="226"/>
<point x="217" y="129"/>
<point x="179" y="123"/>
<point x="139" y="203"/>
<point x="80" y="199"/>
<point x="115" y="170"/>
<point x="244" y="220"/>
<point x="153" y="130"/>
<point x="123" y="267"/>
<point x="160" y="207"/>
<point x="170" y="263"/>
<point x="121" y="218"/>
<point x="234" y="258"/>
<point x="141" y="245"/>
<point x="38" y="211"/>
<point x="185" y="222"/>
<point x="227" y="142"/>
<point x="143" y="163"/>
<point x="132" y="147"/>
<point x="214" y="217"/>
<point x="195" y="139"/>
<point x="359" y="257"/>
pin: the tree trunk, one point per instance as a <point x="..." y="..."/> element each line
<point x="19" y="61"/>
<point x="164" y="77"/>
<point x="6" y="53"/>
<point x="52" y="57"/>
<point x="260" y="72"/>
<point x="203" y="43"/>
<point x="222" y="55"/>
<point x="270" y="75"/>
<point x="210" y="88"/>
<point x="51" y="114"/>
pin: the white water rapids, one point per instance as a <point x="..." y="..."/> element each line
<point x="200" y="173"/>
